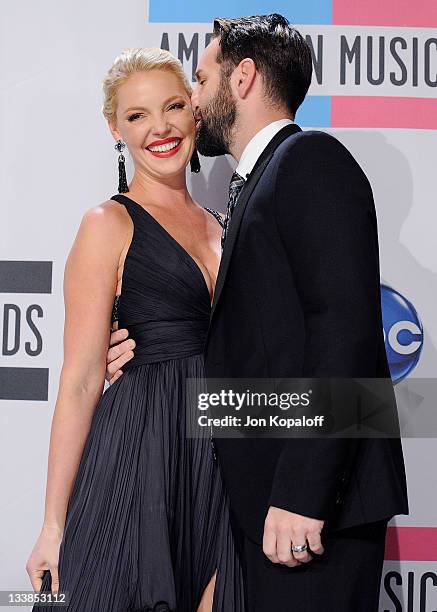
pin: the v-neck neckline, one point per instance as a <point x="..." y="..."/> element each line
<point x="178" y="245"/>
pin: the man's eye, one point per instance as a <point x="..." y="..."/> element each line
<point x="134" y="116"/>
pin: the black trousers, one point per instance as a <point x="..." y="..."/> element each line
<point x="346" y="578"/>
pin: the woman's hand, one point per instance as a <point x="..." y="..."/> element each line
<point x="45" y="556"/>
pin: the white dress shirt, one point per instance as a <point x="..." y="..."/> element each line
<point x="257" y="144"/>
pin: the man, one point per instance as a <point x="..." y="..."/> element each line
<point x="297" y="295"/>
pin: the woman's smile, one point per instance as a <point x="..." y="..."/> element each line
<point x="165" y="148"/>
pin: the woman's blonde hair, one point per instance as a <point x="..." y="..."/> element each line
<point x="138" y="60"/>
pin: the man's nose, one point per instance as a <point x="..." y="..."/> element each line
<point x="195" y="100"/>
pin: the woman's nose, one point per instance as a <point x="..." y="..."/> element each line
<point x="160" y="125"/>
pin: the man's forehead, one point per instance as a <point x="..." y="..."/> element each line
<point x="209" y="55"/>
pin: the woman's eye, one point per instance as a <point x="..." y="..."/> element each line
<point x="134" y="116"/>
<point x="176" y="105"/>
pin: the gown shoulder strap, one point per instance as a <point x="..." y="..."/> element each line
<point x="120" y="198"/>
<point x="215" y="214"/>
<point x="114" y="316"/>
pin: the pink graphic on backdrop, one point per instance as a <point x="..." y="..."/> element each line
<point x="420" y="13"/>
<point x="383" y="112"/>
<point x="411" y="544"/>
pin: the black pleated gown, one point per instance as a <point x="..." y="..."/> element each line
<point x="147" y="521"/>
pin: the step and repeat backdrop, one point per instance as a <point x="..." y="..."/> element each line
<point x="374" y="87"/>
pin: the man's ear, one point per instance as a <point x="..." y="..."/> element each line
<point x="245" y="76"/>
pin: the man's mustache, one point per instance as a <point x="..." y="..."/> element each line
<point x="197" y="118"/>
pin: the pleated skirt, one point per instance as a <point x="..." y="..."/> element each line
<point x="147" y="523"/>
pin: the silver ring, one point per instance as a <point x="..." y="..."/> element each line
<point x="299" y="548"/>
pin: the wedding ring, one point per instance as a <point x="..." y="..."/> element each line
<point x="299" y="548"/>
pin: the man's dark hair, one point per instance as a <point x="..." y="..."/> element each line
<point x="280" y="53"/>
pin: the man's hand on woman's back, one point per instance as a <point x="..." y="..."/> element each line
<point x="120" y="352"/>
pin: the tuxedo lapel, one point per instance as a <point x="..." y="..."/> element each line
<point x="233" y="229"/>
<point x="244" y="198"/>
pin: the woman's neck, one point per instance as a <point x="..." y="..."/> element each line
<point x="160" y="192"/>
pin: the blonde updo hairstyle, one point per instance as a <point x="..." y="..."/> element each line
<point x="138" y="60"/>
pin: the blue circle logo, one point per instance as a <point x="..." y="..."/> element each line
<point x="403" y="333"/>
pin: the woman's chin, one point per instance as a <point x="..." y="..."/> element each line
<point x="170" y="170"/>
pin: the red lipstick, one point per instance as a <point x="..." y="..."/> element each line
<point x="169" y="153"/>
<point x="156" y="143"/>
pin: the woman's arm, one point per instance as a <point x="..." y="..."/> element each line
<point x="90" y="282"/>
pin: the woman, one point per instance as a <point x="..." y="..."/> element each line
<point x="136" y="516"/>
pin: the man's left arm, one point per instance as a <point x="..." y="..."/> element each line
<point x="327" y="223"/>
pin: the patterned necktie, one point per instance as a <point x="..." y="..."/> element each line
<point x="235" y="186"/>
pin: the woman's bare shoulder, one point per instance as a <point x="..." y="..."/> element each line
<point x="109" y="220"/>
<point x="107" y="212"/>
<point x="104" y="229"/>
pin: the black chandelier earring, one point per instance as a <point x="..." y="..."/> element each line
<point x="195" y="162"/>
<point x="122" y="182"/>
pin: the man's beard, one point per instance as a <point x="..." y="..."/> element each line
<point x="214" y="135"/>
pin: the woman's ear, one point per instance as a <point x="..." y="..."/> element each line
<point x="112" y="124"/>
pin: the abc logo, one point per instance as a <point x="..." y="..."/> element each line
<point x="403" y="333"/>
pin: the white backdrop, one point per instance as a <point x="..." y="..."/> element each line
<point x="57" y="160"/>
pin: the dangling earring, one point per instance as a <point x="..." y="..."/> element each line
<point x="122" y="182"/>
<point x="195" y="162"/>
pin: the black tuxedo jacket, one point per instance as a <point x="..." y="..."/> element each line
<point x="298" y="295"/>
